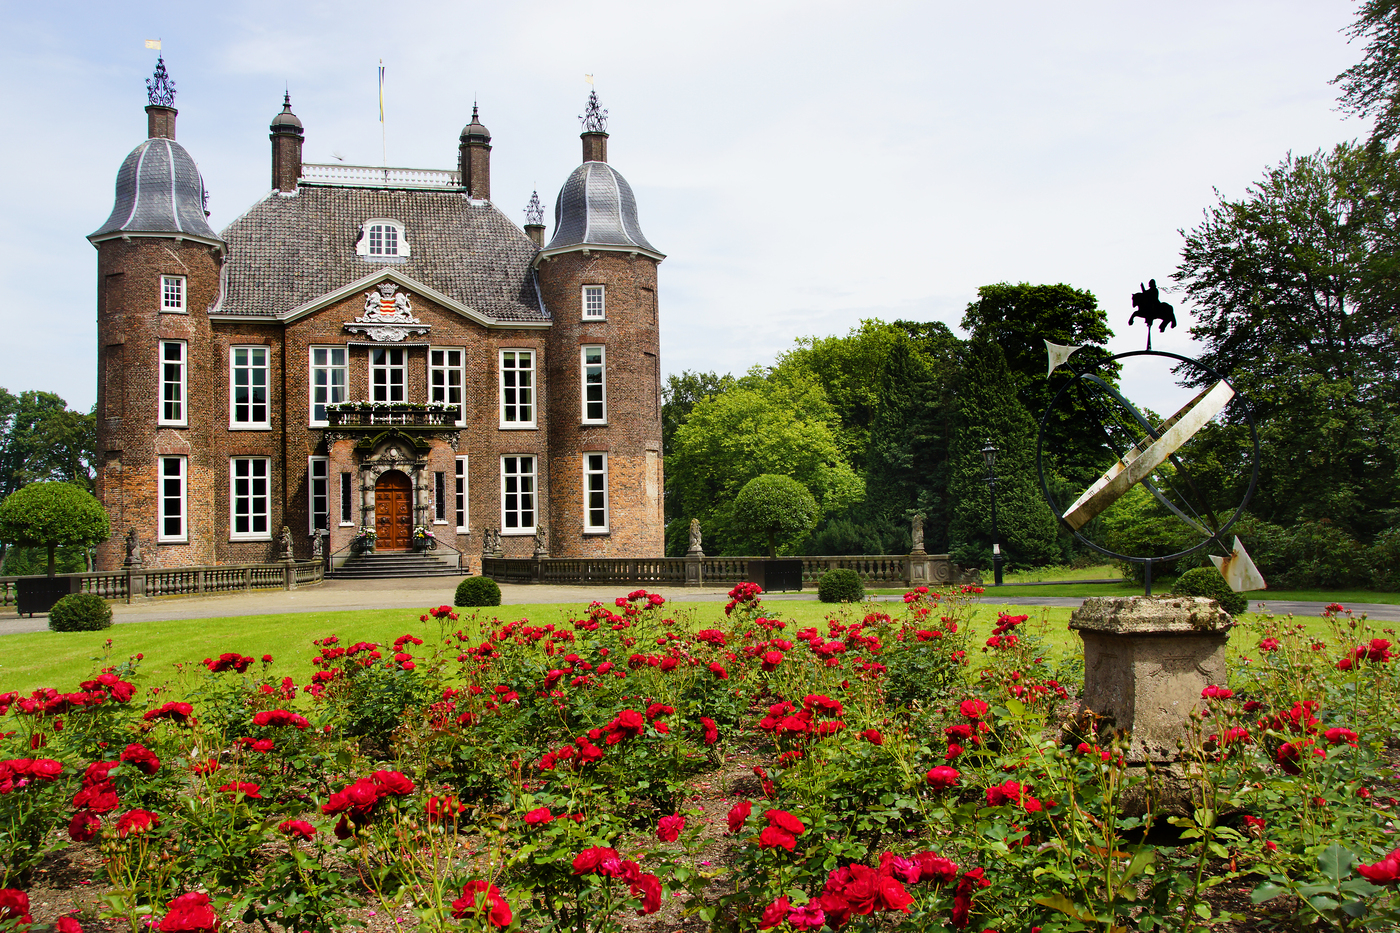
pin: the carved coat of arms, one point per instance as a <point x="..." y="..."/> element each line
<point x="388" y="316"/>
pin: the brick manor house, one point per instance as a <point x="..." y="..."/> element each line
<point x="375" y="349"/>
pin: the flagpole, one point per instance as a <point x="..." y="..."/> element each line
<point x="383" y="134"/>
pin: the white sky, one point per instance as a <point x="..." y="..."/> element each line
<point x="803" y="164"/>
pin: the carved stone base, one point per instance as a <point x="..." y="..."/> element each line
<point x="1146" y="660"/>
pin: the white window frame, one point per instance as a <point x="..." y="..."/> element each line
<point x="347" y="499"/>
<point x="252" y="423"/>
<point x="439" y="497"/>
<point x="180" y="385"/>
<point x="318" y="470"/>
<point x="461" y="502"/>
<point x="512" y="389"/>
<point x="329" y="387"/>
<point x="601" y="367"/>
<point x="389" y="369"/>
<point x="180" y="478"/>
<point x="174" y="294"/>
<point x="526" y="484"/>
<point x="251" y="497"/>
<point x="440" y="378"/>
<point x="600" y="293"/>
<point x="368" y="237"/>
<point x="595" y="467"/>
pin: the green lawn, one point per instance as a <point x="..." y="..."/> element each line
<point x="63" y="659"/>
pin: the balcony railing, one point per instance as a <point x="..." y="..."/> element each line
<point x="371" y="417"/>
<point x="374" y="176"/>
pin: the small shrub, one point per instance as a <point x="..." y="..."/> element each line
<point x="80" y="612"/>
<point x="1207" y="582"/>
<point x="841" y="585"/>
<point x="477" y="591"/>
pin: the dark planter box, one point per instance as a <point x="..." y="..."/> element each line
<point x="38" y="594"/>
<point x="776" y="574"/>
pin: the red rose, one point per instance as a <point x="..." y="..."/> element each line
<point x="14" y="906"/>
<point x="972" y="709"/>
<point x="481" y="898"/>
<point x="775" y="913"/>
<point x="45" y="769"/>
<point x="67" y="925"/>
<point x="100" y="798"/>
<point x="251" y="791"/>
<point x="597" y="859"/>
<point x="711" y="730"/>
<point x="537" y="816"/>
<point x="1386" y="871"/>
<point x="738" y="815"/>
<point x="775" y="836"/>
<point x="189" y="913"/>
<point x="873" y="736"/>
<point x="648" y="888"/>
<point x="298" y="828"/>
<point x="785" y="821"/>
<point x="668" y="828"/>
<point x="391" y="782"/>
<point x="83" y="827"/>
<point x="136" y="821"/>
<point x="943" y="777"/>
<point x="141" y="758"/>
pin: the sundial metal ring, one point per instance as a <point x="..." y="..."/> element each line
<point x="1154" y="453"/>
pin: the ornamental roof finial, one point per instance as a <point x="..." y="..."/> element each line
<point x="595" y="118"/>
<point x="534" y="211"/>
<point x="160" y="90"/>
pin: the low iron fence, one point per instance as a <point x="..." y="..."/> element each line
<point x="124" y="585"/>
<point x="874" y="570"/>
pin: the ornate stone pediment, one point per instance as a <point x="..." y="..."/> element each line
<point x="388" y="316"/>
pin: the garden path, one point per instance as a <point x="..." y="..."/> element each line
<point x="339" y="595"/>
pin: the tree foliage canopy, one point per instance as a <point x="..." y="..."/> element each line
<point x="776" y="508"/>
<point x="1371" y="88"/>
<point x="51" y="515"/>
<point x="1295" y="290"/>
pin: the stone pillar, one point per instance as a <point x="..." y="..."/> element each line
<point x="1146" y="660"/>
<point x="695" y="570"/>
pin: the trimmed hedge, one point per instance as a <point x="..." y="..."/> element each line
<point x="1207" y="581"/>
<point x="80" y="612"/>
<point x="477" y="591"/>
<point x="841" y="585"/>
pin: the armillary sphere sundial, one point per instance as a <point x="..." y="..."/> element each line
<point x="1198" y="486"/>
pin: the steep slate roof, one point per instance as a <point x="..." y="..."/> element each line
<point x="288" y="251"/>
<point x="159" y="192"/>
<point x="596" y="207"/>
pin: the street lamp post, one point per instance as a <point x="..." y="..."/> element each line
<point x="990" y="453"/>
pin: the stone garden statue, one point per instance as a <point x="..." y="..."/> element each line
<point x="316" y="552"/>
<point x="694" y="536"/>
<point x="541" y="543"/>
<point x="916" y="532"/>
<point x="284" y="544"/>
<point x="133" y="548"/>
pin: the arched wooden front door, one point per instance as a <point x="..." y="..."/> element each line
<point x="393" y="512"/>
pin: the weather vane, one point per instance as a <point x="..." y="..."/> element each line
<point x="1151" y="309"/>
<point x="160" y="90"/>
<point x="595" y="118"/>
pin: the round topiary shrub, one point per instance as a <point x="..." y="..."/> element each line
<point x="477" y="591"/>
<point x="80" y="612"/>
<point x="1207" y="581"/>
<point x="841" y="585"/>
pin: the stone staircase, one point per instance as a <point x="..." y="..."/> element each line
<point x="394" y="565"/>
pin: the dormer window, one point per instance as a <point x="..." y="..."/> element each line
<point x="382" y="240"/>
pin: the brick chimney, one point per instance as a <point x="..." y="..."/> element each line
<point x="474" y="158"/>
<point x="534" y="220"/>
<point x="286" y="135"/>
<point x="160" y="122"/>
<point x="595" y="131"/>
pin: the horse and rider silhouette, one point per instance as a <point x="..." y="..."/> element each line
<point x="1151" y="309"/>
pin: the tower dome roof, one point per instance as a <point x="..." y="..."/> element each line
<point x="286" y="121"/>
<point x="159" y="193"/>
<point x="474" y="129"/>
<point x="596" y="208"/>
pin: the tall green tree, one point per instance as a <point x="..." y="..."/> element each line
<point x="1371" y="88"/>
<point x="52" y="515"/>
<point x="988" y="410"/>
<point x="1019" y="319"/>
<point x="780" y="426"/>
<point x="1295" y="288"/>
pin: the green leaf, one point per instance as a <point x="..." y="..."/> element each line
<point x="1353" y="909"/>
<point x="1266" y="892"/>
<point x="1321" y="903"/>
<point x="1202" y="910"/>
<point x="1335" y="862"/>
<point x="1065" y="906"/>
<point x="1015" y="707"/>
<point x="1143" y="858"/>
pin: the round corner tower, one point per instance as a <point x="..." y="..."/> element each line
<point x="158" y="265"/>
<point x="598" y="279"/>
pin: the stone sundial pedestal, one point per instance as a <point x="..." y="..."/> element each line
<point x="1146" y="661"/>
